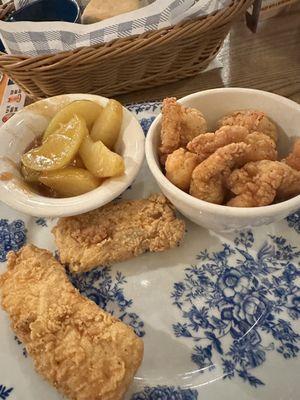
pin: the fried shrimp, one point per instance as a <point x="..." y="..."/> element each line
<point x="206" y="144"/>
<point x="259" y="183"/>
<point x="208" y="177"/>
<point x="179" y="126"/>
<point x="180" y="166"/>
<point x="252" y="120"/>
<point x="293" y="159"/>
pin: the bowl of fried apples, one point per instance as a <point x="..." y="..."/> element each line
<point x="68" y="154"/>
<point x="228" y="159"/>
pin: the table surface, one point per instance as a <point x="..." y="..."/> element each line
<point x="267" y="60"/>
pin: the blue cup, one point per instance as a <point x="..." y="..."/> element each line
<point x="47" y="10"/>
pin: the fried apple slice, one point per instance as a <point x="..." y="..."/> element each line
<point x="99" y="160"/>
<point x="58" y="149"/>
<point x="29" y="175"/>
<point x="87" y="109"/>
<point x="70" y="181"/>
<point x="108" y="125"/>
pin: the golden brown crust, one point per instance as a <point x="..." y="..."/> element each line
<point x="206" y="144"/>
<point x="180" y="166"/>
<point x="171" y="126"/>
<point x="117" y="232"/>
<point x="252" y="120"/>
<point x="259" y="183"/>
<point x="208" y="177"/>
<point x="293" y="159"/>
<point x="83" y="351"/>
<point x="179" y="126"/>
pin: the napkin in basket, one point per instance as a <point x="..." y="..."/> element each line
<point x="40" y="38"/>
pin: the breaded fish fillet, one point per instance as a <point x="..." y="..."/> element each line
<point x="81" y="350"/>
<point x="117" y="232"/>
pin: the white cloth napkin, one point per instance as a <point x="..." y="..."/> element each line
<point x="39" y="38"/>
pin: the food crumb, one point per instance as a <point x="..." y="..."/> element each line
<point x="6" y="176"/>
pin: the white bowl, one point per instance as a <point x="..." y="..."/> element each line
<point x="215" y="103"/>
<point x="29" y="123"/>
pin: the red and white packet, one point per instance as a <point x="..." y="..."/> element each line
<point x="12" y="98"/>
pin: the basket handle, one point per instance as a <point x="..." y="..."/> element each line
<point x="6" y="9"/>
<point x="252" y="19"/>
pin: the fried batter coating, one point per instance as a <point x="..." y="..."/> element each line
<point x="81" y="350"/>
<point x="193" y="124"/>
<point x="180" y="166"/>
<point x="208" y="177"/>
<point x="261" y="148"/>
<point x="179" y="126"/>
<point x="206" y="144"/>
<point x="259" y="183"/>
<point x="252" y="120"/>
<point x="293" y="159"/>
<point x="117" y="232"/>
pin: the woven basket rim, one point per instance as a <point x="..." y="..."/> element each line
<point x="125" y="44"/>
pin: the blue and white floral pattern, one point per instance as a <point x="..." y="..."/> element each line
<point x="146" y="113"/>
<point x="237" y="307"/>
<point x="12" y="236"/>
<point x="146" y="123"/>
<point x="166" y="393"/>
<point x="24" y="351"/>
<point x="152" y="107"/>
<point x="98" y="285"/>
<point x="294" y="221"/>
<point x="5" y="392"/>
<point x="41" y="222"/>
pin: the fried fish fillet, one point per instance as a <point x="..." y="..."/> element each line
<point x="81" y="350"/>
<point x="117" y="232"/>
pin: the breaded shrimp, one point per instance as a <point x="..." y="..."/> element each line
<point x="206" y="144"/>
<point x="83" y="351"/>
<point x="179" y="126"/>
<point x="208" y="177"/>
<point x="193" y="124"/>
<point x="261" y="148"/>
<point x="259" y="183"/>
<point x="171" y="126"/>
<point x="180" y="166"/>
<point x="293" y="159"/>
<point x="252" y="120"/>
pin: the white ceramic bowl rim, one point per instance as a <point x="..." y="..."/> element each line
<point x="217" y="209"/>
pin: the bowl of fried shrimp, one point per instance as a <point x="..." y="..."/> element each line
<point x="228" y="159"/>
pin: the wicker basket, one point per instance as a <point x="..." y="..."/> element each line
<point x="128" y="64"/>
